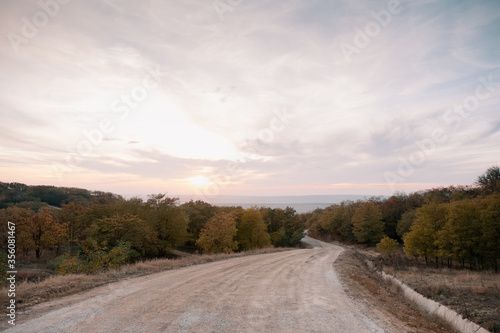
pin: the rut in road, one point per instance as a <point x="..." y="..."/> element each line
<point x="293" y="291"/>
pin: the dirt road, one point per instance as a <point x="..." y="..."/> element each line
<point x="293" y="291"/>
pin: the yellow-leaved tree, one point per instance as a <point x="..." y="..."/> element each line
<point x="218" y="234"/>
<point x="252" y="231"/>
<point x="423" y="238"/>
<point x="388" y="246"/>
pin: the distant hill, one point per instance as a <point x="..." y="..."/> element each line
<point x="15" y="193"/>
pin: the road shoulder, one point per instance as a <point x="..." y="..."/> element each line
<point x="380" y="300"/>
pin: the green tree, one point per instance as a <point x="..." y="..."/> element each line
<point x="490" y="229"/>
<point x="197" y="213"/>
<point x="218" y="234"/>
<point x="490" y="180"/>
<point x="392" y="210"/>
<point x="167" y="220"/>
<point x="293" y="227"/>
<point x="368" y="226"/>
<point x="406" y="222"/>
<point x="284" y="226"/>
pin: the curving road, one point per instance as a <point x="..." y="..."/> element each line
<point x="293" y="291"/>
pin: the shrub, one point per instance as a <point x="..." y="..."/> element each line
<point x="388" y="246"/>
<point x="69" y="264"/>
<point x="97" y="257"/>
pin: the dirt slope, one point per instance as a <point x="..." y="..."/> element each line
<point x="293" y="291"/>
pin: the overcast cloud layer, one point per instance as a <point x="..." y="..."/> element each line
<point x="249" y="97"/>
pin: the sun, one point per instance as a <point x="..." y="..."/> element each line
<point x="199" y="181"/>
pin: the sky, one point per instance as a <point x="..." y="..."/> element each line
<point x="239" y="97"/>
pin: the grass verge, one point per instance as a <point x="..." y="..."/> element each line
<point x="475" y="295"/>
<point x="380" y="298"/>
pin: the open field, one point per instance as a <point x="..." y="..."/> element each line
<point x="292" y="291"/>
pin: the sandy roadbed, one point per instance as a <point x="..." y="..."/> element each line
<point x="293" y="291"/>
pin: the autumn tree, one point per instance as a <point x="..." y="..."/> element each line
<point x="312" y="222"/>
<point x="22" y="218"/>
<point x="330" y="220"/>
<point x="218" y="234"/>
<point x="368" y="226"/>
<point x="460" y="237"/>
<point x="342" y="219"/>
<point x="44" y="231"/>
<point x="108" y="232"/>
<point x="252" y="231"/>
<point x="388" y="246"/>
<point x="197" y="213"/>
<point x="76" y="215"/>
<point x="422" y="240"/>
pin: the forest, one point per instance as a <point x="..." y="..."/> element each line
<point x="452" y="226"/>
<point x="87" y="231"/>
<point x="91" y="231"/>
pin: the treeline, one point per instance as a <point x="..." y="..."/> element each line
<point x="108" y="231"/>
<point x="88" y="231"/>
<point x="452" y="225"/>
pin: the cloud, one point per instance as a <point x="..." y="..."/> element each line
<point x="223" y="82"/>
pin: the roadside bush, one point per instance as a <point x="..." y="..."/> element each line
<point x="99" y="257"/>
<point x="68" y="264"/>
<point x="3" y="265"/>
<point x="388" y="246"/>
<point x="96" y="257"/>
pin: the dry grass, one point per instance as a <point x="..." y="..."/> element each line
<point x="380" y="296"/>
<point x="29" y="293"/>
<point x="474" y="295"/>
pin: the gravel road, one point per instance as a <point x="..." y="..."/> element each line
<point x="292" y="291"/>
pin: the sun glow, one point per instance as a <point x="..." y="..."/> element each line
<point x="199" y="181"/>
